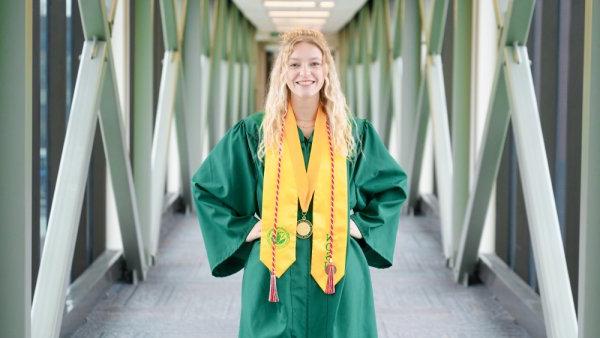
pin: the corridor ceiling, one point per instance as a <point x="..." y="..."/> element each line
<point x="277" y="16"/>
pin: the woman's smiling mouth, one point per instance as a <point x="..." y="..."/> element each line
<point x="305" y="83"/>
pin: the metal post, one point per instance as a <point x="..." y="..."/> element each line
<point x="589" y="250"/>
<point x="442" y="148"/>
<point x="181" y="125"/>
<point x="418" y="143"/>
<point x="192" y="83"/>
<point x="380" y="66"/>
<point x="16" y="167"/>
<point x="120" y="173"/>
<point x="461" y="113"/>
<point x="488" y="162"/>
<point x="49" y="297"/>
<point x="169" y="24"/>
<point x="431" y="88"/>
<point x="514" y="18"/>
<point x="351" y="67"/>
<point x="433" y="13"/>
<point x="416" y="131"/>
<point x="158" y="169"/>
<point x="396" y="123"/>
<point x="363" y="80"/>
<point x="218" y="77"/>
<point x="205" y="85"/>
<point x="555" y="288"/>
<point x="141" y="110"/>
<point x="411" y="92"/>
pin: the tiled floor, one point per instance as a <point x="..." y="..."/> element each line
<point x="414" y="298"/>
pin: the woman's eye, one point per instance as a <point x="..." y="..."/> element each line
<point x="294" y="65"/>
<point x="315" y="64"/>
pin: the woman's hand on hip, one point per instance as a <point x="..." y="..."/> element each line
<point x="255" y="232"/>
<point x="354" y="232"/>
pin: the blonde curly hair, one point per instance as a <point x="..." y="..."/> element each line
<point x="331" y="96"/>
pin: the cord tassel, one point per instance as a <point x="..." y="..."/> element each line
<point x="273" y="297"/>
<point x="330" y="287"/>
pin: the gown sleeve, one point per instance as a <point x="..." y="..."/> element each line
<point x="380" y="191"/>
<point x="224" y="195"/>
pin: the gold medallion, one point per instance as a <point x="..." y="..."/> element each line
<point x="304" y="229"/>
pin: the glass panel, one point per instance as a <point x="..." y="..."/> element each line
<point x="44" y="208"/>
<point x="69" y="65"/>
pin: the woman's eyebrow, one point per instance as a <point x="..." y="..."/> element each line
<point x="313" y="58"/>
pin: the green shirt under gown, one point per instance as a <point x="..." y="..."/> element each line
<point x="227" y="193"/>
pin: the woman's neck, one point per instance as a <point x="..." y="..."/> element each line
<point x="305" y="109"/>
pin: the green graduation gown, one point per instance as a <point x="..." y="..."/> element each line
<point x="227" y="193"/>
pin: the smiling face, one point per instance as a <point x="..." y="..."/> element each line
<point x="305" y="71"/>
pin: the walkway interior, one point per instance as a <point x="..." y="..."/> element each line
<point x="414" y="298"/>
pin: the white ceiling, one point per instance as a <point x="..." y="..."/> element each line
<point x="339" y="15"/>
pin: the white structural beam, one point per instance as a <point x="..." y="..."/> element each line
<point x="442" y="148"/>
<point x="550" y="261"/>
<point x="55" y="266"/>
<point x="158" y="167"/>
<point x="488" y="163"/>
<point x="113" y="136"/>
<point x="170" y="100"/>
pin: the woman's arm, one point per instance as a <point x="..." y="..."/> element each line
<point x="380" y="189"/>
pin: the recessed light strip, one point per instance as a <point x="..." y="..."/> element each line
<point x="289" y="28"/>
<point x="300" y="21"/>
<point x="299" y="14"/>
<point x="290" y="4"/>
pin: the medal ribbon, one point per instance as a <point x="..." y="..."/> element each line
<point x="298" y="184"/>
<point x="306" y="181"/>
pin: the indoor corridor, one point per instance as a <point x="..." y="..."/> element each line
<point x="109" y="107"/>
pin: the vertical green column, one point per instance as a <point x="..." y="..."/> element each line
<point x="243" y="55"/>
<point x="192" y="78"/>
<point x="15" y="166"/>
<point x="215" y="116"/>
<point x="381" y="85"/>
<point x="461" y="112"/>
<point x="395" y="139"/>
<point x="411" y="80"/>
<point x="250" y="55"/>
<point x="253" y="59"/>
<point x="203" y="93"/>
<point x="342" y="60"/>
<point x="142" y="108"/>
<point x="351" y="73"/>
<point x="589" y="250"/>
<point x="363" y="80"/>
<point x="397" y="29"/>
<point x="232" y="93"/>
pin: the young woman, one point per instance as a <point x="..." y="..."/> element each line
<point x="305" y="198"/>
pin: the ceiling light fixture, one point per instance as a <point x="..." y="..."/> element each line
<point x="299" y="14"/>
<point x="287" y="4"/>
<point x="289" y="28"/>
<point x="300" y="21"/>
<point x="327" y="4"/>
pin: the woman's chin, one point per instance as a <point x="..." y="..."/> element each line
<point x="305" y="93"/>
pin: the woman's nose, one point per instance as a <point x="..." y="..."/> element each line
<point x="304" y="70"/>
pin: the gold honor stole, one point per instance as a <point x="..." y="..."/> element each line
<point x="296" y="184"/>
